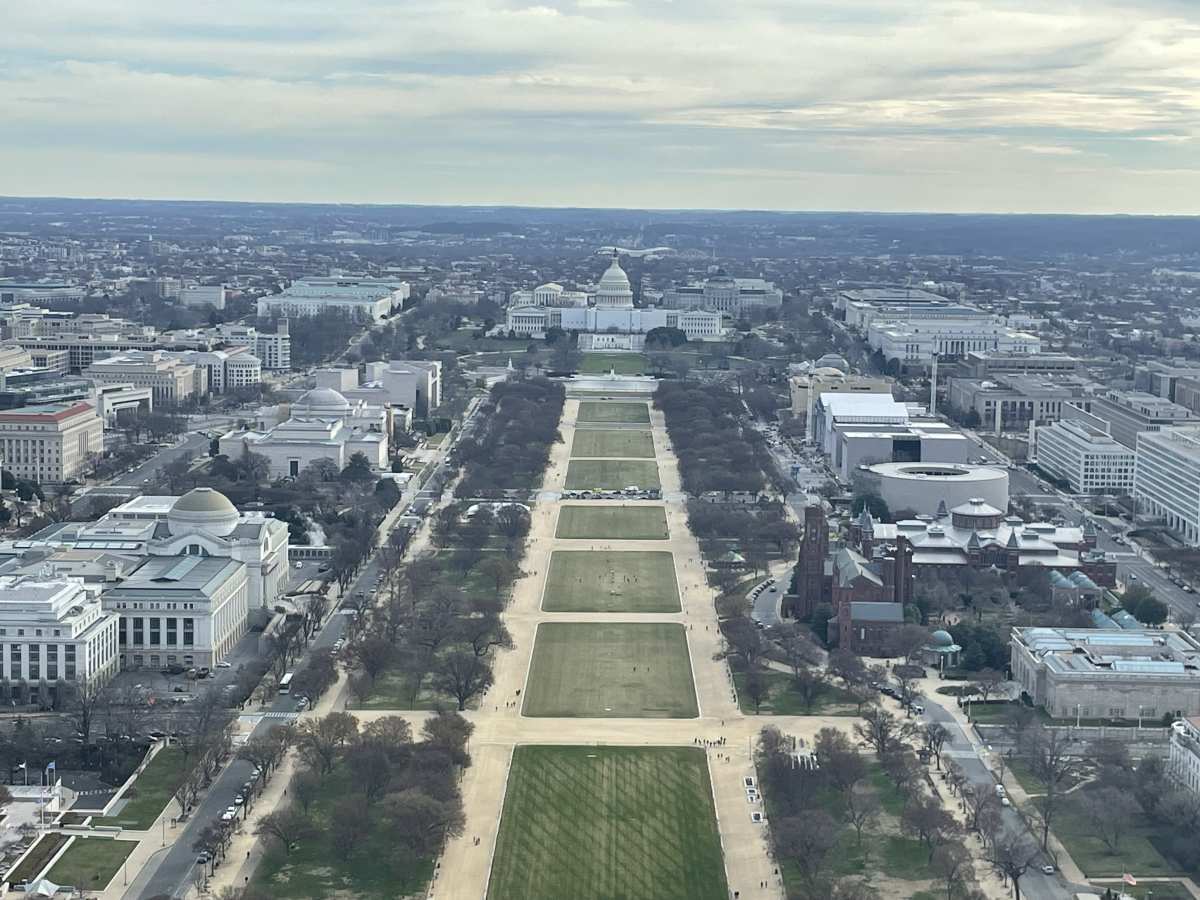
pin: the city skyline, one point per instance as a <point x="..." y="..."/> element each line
<point x="889" y="106"/>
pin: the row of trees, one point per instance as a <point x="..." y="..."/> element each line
<point x="410" y="787"/>
<point x="715" y="453"/>
<point x="511" y="447"/>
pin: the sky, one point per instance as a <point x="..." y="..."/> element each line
<point x="886" y="105"/>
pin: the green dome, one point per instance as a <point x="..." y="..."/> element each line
<point x="942" y="638"/>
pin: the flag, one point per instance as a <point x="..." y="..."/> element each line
<point x="50" y="767"/>
<point x="1128" y="879"/>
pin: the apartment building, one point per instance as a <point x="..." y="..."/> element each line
<point x="1085" y="457"/>
<point x="50" y="444"/>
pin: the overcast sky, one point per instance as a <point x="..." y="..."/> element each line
<point x="940" y="105"/>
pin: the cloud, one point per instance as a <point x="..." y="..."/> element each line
<point x="599" y="101"/>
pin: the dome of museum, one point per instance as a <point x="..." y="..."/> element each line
<point x="203" y="509"/>
<point x="324" y="402"/>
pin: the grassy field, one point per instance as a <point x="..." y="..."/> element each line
<point x="623" y="670"/>
<point x="611" y="474"/>
<point x="621" y="363"/>
<point x="314" y="872"/>
<point x="623" y="413"/>
<point x="91" y="863"/>
<point x="47" y="845"/>
<point x="786" y="702"/>
<point x="155" y="787"/>
<point x="601" y="823"/>
<point x="625" y="523"/>
<point x="634" y="443"/>
<point x="1137" y="855"/>
<point x="597" y="581"/>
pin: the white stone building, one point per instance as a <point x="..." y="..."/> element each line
<point x="274" y="350"/>
<point x="50" y="444"/>
<point x="372" y="298"/>
<point x="53" y="629"/>
<point x="188" y="610"/>
<point x="722" y="293"/>
<point x="225" y="370"/>
<point x="1088" y="459"/>
<point x="322" y="424"/>
<point x="1184" y="762"/>
<point x="611" y="322"/>
<point x="411" y="384"/>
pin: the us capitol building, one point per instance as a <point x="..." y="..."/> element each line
<point x="605" y="319"/>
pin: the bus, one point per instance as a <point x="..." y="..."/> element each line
<point x="285" y="684"/>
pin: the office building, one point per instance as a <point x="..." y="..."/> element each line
<point x="273" y="350"/>
<point x="52" y="631"/>
<point x="1086" y="458"/>
<point x="171" y="379"/>
<point x="1101" y="673"/>
<point x="1012" y="401"/>
<point x="224" y="370"/>
<point x="986" y="364"/>
<point x="371" y="298"/>
<point x="723" y="293"/>
<point x="927" y="487"/>
<point x="1126" y="414"/>
<point x="38" y="292"/>
<point x="187" y="610"/>
<point x="913" y="339"/>
<point x="50" y="444"/>
<point x="196" y="296"/>
<point x="1166" y="480"/>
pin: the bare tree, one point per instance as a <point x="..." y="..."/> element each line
<point x="1051" y="756"/>
<point x="811" y="684"/>
<point x="1108" y="813"/>
<point x="883" y="731"/>
<point x="321" y="739"/>
<point x="951" y="865"/>
<point x="757" y="687"/>
<point x="289" y="826"/>
<point x="862" y="811"/>
<point x="464" y="675"/>
<point x="1011" y="853"/>
<point x="350" y="823"/>
<point x="306" y="784"/>
<point x="925" y="820"/>
<point x="936" y="735"/>
<point x="805" y="840"/>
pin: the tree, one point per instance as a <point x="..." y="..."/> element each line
<point x="1050" y="755"/>
<point x="358" y="468"/>
<point x="832" y="741"/>
<point x="498" y="570"/>
<point x="925" y="820"/>
<point x="289" y="826"/>
<point x="847" y="665"/>
<point x="811" y="684"/>
<point x="988" y="682"/>
<point x="883" y="731"/>
<point x="907" y="680"/>
<point x="981" y="806"/>
<point x="905" y="641"/>
<point x="422" y="822"/>
<point x="350" y="823"/>
<point x="805" y="840"/>
<point x="844" y="770"/>
<point x="449" y="732"/>
<point x="936" y="735"/>
<point x="902" y="769"/>
<point x="371" y="767"/>
<point x="1108" y="813"/>
<point x="1152" y="611"/>
<point x="1011" y="852"/>
<point x="320" y="739"/>
<point x="464" y="675"/>
<point x="306" y="784"/>
<point x="862" y="810"/>
<point x="391" y="734"/>
<point x="372" y="655"/>
<point x="757" y="687"/>
<point x="951" y="864"/>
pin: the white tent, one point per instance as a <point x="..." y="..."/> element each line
<point x="42" y="887"/>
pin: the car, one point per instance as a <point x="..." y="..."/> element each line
<point x="178" y="689"/>
<point x="1047" y="870"/>
<point x="1004" y="801"/>
<point x="239" y="800"/>
<point x="1000" y="791"/>
<point x="300" y="707"/>
<point x="1132" y="577"/>
<point x="257" y="772"/>
<point x="774" y="588"/>
<point x="297" y="565"/>
<point x="224" y="664"/>
<point x="202" y="859"/>
<point x="323" y="567"/>
<point x="1187" y="589"/>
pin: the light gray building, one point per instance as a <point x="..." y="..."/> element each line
<point x="1010" y="401"/>
<point x="1086" y="458"/>
<point x="1126" y="414"/>
<point x="1166" y="479"/>
<point x="1098" y="673"/>
<point x="721" y="292"/>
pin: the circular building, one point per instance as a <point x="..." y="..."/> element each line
<point x="203" y="509"/>
<point x="924" y="487"/>
<point x="614" y="290"/>
<point x="323" y="403"/>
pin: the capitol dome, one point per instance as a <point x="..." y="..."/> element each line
<point x="324" y="402"/>
<point x="203" y="509"/>
<point x="614" y="290"/>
